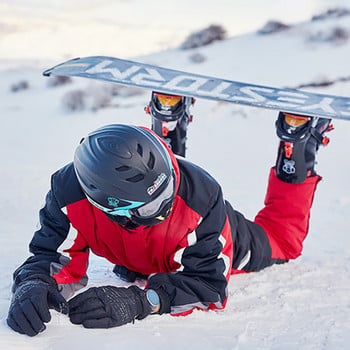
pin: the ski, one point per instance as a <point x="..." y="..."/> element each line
<point x="177" y="82"/>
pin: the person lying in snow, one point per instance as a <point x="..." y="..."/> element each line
<point x="159" y="217"/>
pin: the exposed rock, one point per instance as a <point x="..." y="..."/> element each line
<point x="332" y="13"/>
<point x="204" y="37"/>
<point x="20" y="86"/>
<point x="273" y="27"/>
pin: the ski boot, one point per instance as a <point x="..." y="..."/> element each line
<point x="300" y="138"/>
<point x="170" y="118"/>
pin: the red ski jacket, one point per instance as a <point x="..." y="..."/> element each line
<point x="188" y="256"/>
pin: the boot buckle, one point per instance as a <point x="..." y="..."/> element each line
<point x="288" y="149"/>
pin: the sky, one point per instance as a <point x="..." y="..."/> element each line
<point x="59" y="29"/>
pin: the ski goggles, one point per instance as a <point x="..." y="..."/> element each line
<point x="141" y="209"/>
<point x="155" y="207"/>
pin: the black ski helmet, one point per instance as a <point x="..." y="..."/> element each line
<point x="122" y="167"/>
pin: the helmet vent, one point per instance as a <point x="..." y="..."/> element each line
<point x="136" y="178"/>
<point x="93" y="187"/>
<point x="151" y="160"/>
<point x="123" y="168"/>
<point x="139" y="149"/>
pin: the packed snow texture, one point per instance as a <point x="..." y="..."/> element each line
<point x="304" y="304"/>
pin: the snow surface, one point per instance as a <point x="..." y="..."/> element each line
<point x="304" y="304"/>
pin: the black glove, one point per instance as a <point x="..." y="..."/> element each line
<point x="106" y="307"/>
<point x="127" y="275"/>
<point x="30" y="305"/>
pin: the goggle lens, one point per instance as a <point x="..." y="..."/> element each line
<point x="152" y="208"/>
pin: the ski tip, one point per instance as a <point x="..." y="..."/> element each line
<point x="47" y="72"/>
<point x="51" y="71"/>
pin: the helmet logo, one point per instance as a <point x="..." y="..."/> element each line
<point x="113" y="202"/>
<point x="156" y="184"/>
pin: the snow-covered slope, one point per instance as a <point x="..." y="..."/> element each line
<point x="301" y="305"/>
<point x="58" y="29"/>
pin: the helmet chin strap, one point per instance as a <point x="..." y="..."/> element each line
<point x="123" y="221"/>
<point x="120" y="220"/>
<point x="130" y="225"/>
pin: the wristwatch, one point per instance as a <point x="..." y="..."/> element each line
<point x="153" y="299"/>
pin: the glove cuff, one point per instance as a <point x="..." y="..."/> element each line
<point x="142" y="305"/>
<point x="164" y="301"/>
<point x="38" y="277"/>
<point x="144" y="308"/>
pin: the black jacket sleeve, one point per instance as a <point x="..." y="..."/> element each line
<point x="53" y="231"/>
<point x="54" y="228"/>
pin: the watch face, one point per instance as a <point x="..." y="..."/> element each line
<point x="152" y="298"/>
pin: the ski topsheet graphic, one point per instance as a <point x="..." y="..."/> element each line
<point x="183" y="83"/>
